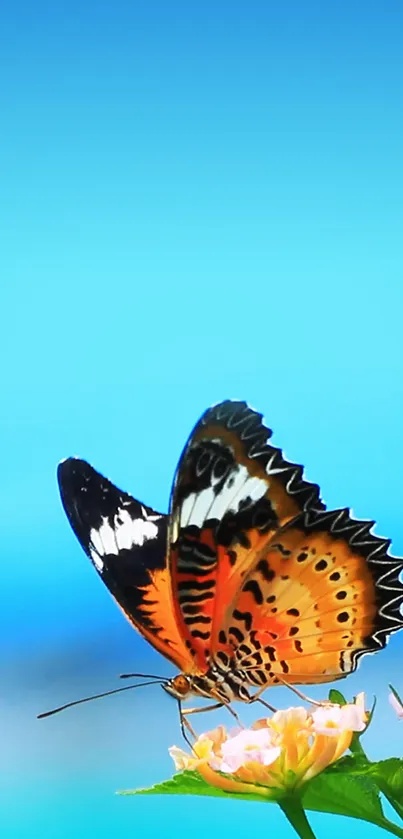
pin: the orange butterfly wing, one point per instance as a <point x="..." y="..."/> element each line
<point x="126" y="542"/>
<point x="231" y="493"/>
<point x="265" y="579"/>
<point x="321" y="592"/>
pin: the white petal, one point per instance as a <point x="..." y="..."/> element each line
<point x="352" y="718"/>
<point x="270" y="755"/>
<point x="179" y="757"/>
<point x="396" y="705"/>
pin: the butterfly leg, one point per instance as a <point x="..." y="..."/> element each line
<point x="216" y="705"/>
<point x="202" y="710"/>
<point x="191" y="730"/>
<point x="234" y="714"/>
<point x="266" y="704"/>
<point x="303" y="696"/>
<point x="258" y="698"/>
<point x="184" y="723"/>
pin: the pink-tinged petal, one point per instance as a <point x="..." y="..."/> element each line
<point x="247" y="739"/>
<point x="327" y="720"/>
<point x="215" y="762"/>
<point x="396" y="705"/>
<point x="352" y="718"/>
<point x="233" y="732"/>
<point x="360" y="703"/>
<point x="270" y="755"/>
<point x="292" y="717"/>
<point x="332" y="720"/>
<point x="229" y="764"/>
<point x="245" y="746"/>
<point x="232" y="762"/>
<point x="260" y="737"/>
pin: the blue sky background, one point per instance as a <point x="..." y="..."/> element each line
<point x="198" y="201"/>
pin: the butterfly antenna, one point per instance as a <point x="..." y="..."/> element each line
<point x="142" y="676"/>
<point x="90" y="698"/>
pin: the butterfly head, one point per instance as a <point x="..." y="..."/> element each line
<point x="180" y="686"/>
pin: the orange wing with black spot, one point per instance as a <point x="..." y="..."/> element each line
<point x="126" y="542"/>
<point x="321" y="592"/>
<point x="232" y="493"/>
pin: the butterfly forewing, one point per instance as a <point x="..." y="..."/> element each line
<point x="126" y="541"/>
<point x="231" y="493"/>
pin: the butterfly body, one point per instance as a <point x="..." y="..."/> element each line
<point x="224" y="686"/>
<point x="249" y="581"/>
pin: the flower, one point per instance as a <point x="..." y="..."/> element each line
<point x="333" y="719"/>
<point x="396" y="702"/>
<point x="277" y="754"/>
<point x="245" y="747"/>
<point x="204" y="750"/>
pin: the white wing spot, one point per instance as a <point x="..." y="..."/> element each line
<point x="142" y="531"/>
<point x="239" y="485"/>
<point x="125" y="533"/>
<point x="96" y="560"/>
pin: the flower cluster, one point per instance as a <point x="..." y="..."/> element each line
<point x="278" y="754"/>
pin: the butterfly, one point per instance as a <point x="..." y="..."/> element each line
<point x="249" y="581"/>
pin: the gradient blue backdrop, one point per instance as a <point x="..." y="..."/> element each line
<point x="198" y="201"/>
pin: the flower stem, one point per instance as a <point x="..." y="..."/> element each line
<point x="295" y="813"/>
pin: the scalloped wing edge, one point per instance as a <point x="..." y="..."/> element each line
<point x="384" y="567"/>
<point x="249" y="424"/>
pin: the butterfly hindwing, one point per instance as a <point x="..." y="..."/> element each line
<point x="126" y="542"/>
<point x="321" y="593"/>
<point x="231" y="493"/>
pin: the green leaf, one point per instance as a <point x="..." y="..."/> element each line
<point x="337" y="697"/>
<point x="349" y="788"/>
<point x="191" y="783"/>
<point x="388" y="775"/>
<point x="354" y="764"/>
<point x="348" y="794"/>
<point x="355" y="745"/>
<point x="343" y="793"/>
